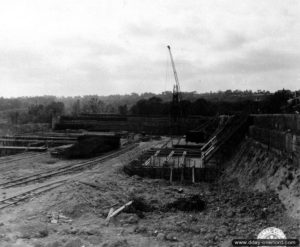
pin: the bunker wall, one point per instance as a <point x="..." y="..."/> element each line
<point x="278" y="131"/>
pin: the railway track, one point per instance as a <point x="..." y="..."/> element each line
<point x="65" y="169"/>
<point x="13" y="200"/>
<point x="12" y="156"/>
<point x="28" y="194"/>
<point x="21" y="157"/>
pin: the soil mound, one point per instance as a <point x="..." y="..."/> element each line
<point x="190" y="203"/>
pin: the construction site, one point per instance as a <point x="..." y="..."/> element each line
<point x="113" y="180"/>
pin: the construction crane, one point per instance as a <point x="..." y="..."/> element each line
<point x="176" y="109"/>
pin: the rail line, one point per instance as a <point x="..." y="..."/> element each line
<point x="64" y="169"/>
<point x="10" y="156"/>
<point x="28" y="194"/>
<point x="13" y="200"/>
<point x="21" y="157"/>
<point x="13" y="156"/>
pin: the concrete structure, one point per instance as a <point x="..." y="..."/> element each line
<point x="280" y="132"/>
<point x="159" y="125"/>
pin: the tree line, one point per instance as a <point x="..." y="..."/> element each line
<point x="259" y="104"/>
<point x="42" y="109"/>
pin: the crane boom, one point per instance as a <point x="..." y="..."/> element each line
<point x="177" y="85"/>
<point x="175" y="108"/>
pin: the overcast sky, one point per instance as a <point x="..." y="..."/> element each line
<point x="79" y="47"/>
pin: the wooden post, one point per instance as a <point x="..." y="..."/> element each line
<point x="182" y="159"/>
<point x="182" y="164"/>
<point x="171" y="174"/>
<point x="201" y="163"/>
<point x="112" y="213"/>
<point x="155" y="158"/>
<point x="193" y="174"/>
<point x="182" y="176"/>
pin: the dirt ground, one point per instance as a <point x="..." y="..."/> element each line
<point x="74" y="215"/>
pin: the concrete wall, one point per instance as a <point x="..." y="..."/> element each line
<point x="151" y="125"/>
<point x="278" y="131"/>
<point x="282" y="122"/>
<point x="200" y="174"/>
<point x="12" y="129"/>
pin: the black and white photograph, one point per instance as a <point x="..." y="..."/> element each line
<point x="149" y="123"/>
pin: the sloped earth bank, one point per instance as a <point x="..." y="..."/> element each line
<point x="161" y="215"/>
<point x="254" y="166"/>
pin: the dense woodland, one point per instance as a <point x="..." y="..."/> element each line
<point x="41" y="109"/>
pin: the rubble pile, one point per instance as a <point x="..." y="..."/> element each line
<point x="244" y="203"/>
